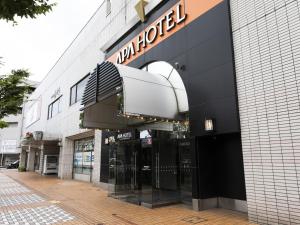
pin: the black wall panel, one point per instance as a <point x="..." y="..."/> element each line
<point x="230" y="160"/>
<point x="204" y="47"/>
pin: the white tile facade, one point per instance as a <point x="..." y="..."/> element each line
<point x="266" y="36"/>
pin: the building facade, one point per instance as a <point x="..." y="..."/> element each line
<point x="197" y="104"/>
<point x="9" y="138"/>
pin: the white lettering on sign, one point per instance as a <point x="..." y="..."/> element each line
<point x="124" y="136"/>
<point x="150" y="34"/>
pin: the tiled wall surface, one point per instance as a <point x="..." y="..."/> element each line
<point x="266" y="36"/>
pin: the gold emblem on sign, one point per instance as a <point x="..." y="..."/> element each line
<point x="140" y="9"/>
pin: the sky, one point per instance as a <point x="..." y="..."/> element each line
<point x="36" y="44"/>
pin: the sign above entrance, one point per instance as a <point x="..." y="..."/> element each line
<point x="170" y="20"/>
<point x="176" y="18"/>
<point x="124" y="136"/>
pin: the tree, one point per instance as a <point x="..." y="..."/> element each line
<point x="13" y="90"/>
<point x="13" y="86"/>
<point x="9" y="9"/>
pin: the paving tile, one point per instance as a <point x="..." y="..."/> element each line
<point x="72" y="202"/>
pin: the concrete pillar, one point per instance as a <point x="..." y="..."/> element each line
<point x="66" y="159"/>
<point x="97" y="157"/>
<point x="30" y="160"/>
<point x="22" y="157"/>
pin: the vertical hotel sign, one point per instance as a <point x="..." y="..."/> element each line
<point x="176" y="18"/>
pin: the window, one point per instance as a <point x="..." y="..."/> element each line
<point x="77" y="90"/>
<point x="83" y="156"/>
<point x="32" y="112"/>
<point x="12" y="124"/>
<point x="54" y="108"/>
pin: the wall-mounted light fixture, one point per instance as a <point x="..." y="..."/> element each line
<point x="209" y="124"/>
<point x="179" y="66"/>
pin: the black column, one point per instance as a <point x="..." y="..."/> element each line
<point x="205" y="164"/>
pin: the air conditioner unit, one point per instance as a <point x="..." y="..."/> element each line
<point x="38" y="135"/>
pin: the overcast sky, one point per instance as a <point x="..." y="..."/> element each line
<point x="36" y="44"/>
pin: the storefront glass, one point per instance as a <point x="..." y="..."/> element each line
<point x="151" y="164"/>
<point x="151" y="168"/>
<point x="83" y="156"/>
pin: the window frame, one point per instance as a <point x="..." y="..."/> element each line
<point x="108" y="8"/>
<point x="76" y="87"/>
<point x="12" y="124"/>
<point x="79" y="149"/>
<point x="50" y="112"/>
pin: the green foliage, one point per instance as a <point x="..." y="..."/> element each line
<point x="81" y="115"/>
<point x="3" y="124"/>
<point x="21" y="169"/>
<point x="9" y="9"/>
<point x="13" y="89"/>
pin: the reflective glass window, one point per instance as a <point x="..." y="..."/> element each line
<point x="83" y="156"/>
<point x="77" y="91"/>
<point x="54" y="108"/>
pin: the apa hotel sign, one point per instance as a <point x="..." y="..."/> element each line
<point x="173" y="20"/>
<point x="168" y="21"/>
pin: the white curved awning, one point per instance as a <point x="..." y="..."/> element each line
<point x="146" y="96"/>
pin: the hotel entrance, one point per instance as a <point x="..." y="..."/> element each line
<point x="149" y="153"/>
<point x="152" y="169"/>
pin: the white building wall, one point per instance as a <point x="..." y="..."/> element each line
<point x="80" y="58"/>
<point x="266" y="36"/>
<point x="11" y="135"/>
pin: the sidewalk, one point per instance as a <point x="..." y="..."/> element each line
<point x="53" y="201"/>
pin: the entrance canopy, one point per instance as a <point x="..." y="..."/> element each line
<point x="118" y="96"/>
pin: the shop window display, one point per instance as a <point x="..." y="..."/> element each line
<point x="83" y="156"/>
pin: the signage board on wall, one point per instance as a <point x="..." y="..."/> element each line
<point x="9" y="146"/>
<point x="124" y="136"/>
<point x="170" y="20"/>
<point x="176" y="18"/>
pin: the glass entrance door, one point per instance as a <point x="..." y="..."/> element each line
<point x="160" y="171"/>
<point x="166" y="173"/>
<point x="185" y="161"/>
<point x="146" y="175"/>
<point x="124" y="170"/>
<point x="154" y="170"/>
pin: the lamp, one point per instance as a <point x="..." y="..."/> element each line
<point x="178" y="66"/>
<point x="209" y="125"/>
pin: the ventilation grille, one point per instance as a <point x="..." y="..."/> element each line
<point x="103" y="83"/>
<point x="109" y="80"/>
<point x="90" y="94"/>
